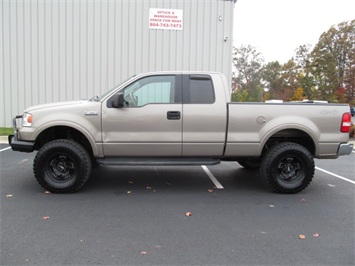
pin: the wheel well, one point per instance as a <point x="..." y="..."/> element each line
<point x="292" y="135"/>
<point x="62" y="132"/>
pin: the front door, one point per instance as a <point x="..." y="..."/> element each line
<point x="150" y="123"/>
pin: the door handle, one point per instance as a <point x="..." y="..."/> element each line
<point x="173" y="115"/>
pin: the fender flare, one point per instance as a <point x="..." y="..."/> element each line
<point x="69" y="124"/>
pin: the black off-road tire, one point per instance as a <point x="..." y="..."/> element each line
<point x="287" y="168"/>
<point x="62" y="166"/>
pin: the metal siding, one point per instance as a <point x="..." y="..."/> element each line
<point x="74" y="49"/>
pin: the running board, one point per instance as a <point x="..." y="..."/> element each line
<point x="158" y="161"/>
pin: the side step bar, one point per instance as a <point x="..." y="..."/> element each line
<point x="158" y="161"/>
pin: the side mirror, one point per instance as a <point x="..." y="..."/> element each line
<point x="118" y="100"/>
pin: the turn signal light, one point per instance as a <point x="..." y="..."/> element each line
<point x="346" y="123"/>
<point x="27" y="120"/>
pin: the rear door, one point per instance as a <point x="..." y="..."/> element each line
<point x="204" y="117"/>
<point x="150" y="123"/>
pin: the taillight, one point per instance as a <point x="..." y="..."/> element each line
<point x="346" y="123"/>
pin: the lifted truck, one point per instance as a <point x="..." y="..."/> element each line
<point x="180" y="118"/>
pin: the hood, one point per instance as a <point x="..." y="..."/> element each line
<point x="54" y="105"/>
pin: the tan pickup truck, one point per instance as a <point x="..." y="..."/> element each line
<point x="180" y="118"/>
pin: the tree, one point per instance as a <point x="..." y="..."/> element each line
<point x="349" y="79"/>
<point x="332" y="61"/>
<point x="240" y="96"/>
<point x="248" y="65"/>
<point x="298" y="95"/>
<point x="289" y="78"/>
<point x="326" y="72"/>
<point x="271" y="76"/>
<point x="304" y="62"/>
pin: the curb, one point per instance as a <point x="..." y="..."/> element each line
<point x="3" y="140"/>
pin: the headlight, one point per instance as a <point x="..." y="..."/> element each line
<point x="27" y="120"/>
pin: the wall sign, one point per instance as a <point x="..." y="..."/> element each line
<point x="165" y="19"/>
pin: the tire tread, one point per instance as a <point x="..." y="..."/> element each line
<point x="66" y="144"/>
<point x="272" y="153"/>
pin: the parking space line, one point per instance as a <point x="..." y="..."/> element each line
<point x="338" y="176"/>
<point x="5" y="149"/>
<point x="211" y="176"/>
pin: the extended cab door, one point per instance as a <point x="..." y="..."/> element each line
<point x="204" y="115"/>
<point x="150" y="122"/>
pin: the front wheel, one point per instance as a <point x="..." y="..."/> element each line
<point x="62" y="166"/>
<point x="287" y="168"/>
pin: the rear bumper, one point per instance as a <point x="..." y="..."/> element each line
<point x="345" y="149"/>
<point x="19" y="145"/>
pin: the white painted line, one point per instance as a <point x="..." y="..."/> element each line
<point x="211" y="176"/>
<point x="8" y="148"/>
<point x="338" y="176"/>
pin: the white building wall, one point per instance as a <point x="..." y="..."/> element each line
<point x="57" y="50"/>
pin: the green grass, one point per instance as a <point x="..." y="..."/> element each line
<point x="5" y="131"/>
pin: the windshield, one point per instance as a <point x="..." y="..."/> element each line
<point x="99" y="98"/>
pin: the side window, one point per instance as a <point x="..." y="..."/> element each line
<point x="201" y="89"/>
<point x="153" y="89"/>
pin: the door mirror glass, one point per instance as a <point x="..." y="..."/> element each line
<point x="118" y="100"/>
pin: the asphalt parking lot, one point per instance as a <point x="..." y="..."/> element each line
<point x="138" y="216"/>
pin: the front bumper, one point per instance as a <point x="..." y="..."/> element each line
<point x="345" y="149"/>
<point x="20" y="145"/>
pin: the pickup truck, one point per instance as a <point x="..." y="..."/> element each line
<point x="179" y="118"/>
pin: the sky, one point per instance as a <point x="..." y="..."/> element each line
<point x="276" y="28"/>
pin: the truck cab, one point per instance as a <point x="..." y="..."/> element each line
<point x="164" y="115"/>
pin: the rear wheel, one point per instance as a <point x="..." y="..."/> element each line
<point x="62" y="166"/>
<point x="287" y="167"/>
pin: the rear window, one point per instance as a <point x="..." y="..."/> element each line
<point x="201" y="89"/>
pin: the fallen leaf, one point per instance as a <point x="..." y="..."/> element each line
<point x="303" y="200"/>
<point x="9" y="195"/>
<point x="210" y="190"/>
<point x="188" y="214"/>
<point x="45" y="217"/>
<point x="302" y="236"/>
<point x="144" y="253"/>
<point x="315" y="235"/>
<point x="149" y="187"/>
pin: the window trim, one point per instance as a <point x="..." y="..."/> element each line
<point x="178" y="90"/>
